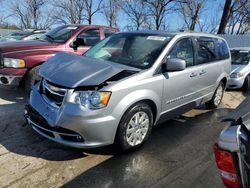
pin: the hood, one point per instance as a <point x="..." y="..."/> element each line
<point x="72" y="71"/>
<point x="237" y="68"/>
<point x="17" y="46"/>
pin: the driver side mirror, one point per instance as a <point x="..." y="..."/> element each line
<point x="173" y="64"/>
<point x="78" y="42"/>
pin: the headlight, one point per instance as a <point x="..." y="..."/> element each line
<point x="237" y="74"/>
<point x="14" y="63"/>
<point x="92" y="99"/>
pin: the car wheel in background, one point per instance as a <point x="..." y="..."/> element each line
<point x="217" y="97"/>
<point x="31" y="78"/>
<point x="246" y="85"/>
<point x="135" y="126"/>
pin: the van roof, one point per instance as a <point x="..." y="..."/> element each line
<point x="170" y="33"/>
<point x="241" y="48"/>
<point x="84" y="25"/>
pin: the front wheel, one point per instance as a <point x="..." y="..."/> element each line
<point x="217" y="97"/>
<point x="31" y="78"/>
<point x="135" y="127"/>
<point x="246" y="85"/>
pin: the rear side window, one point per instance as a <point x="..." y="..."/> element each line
<point x="206" y="50"/>
<point x="91" y="37"/>
<point x="223" y="51"/>
<point x="108" y="32"/>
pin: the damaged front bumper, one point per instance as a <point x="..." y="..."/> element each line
<point x="69" y="124"/>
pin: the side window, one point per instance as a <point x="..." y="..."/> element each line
<point x="108" y="32"/>
<point x="223" y="51"/>
<point x="183" y="49"/>
<point x="206" y="50"/>
<point x="90" y="37"/>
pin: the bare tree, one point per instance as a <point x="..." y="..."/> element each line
<point x="22" y="15"/>
<point x="230" y="11"/>
<point x="91" y="10"/>
<point x="28" y="12"/>
<point x="68" y="11"/>
<point x="111" y="11"/>
<point x="240" y="17"/>
<point x="191" y="12"/>
<point x="225" y="16"/>
<point x="3" y="14"/>
<point x="210" y="24"/>
<point x="34" y="8"/>
<point x="47" y="20"/>
<point x="135" y="11"/>
<point x="158" y="9"/>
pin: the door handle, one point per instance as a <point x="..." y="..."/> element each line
<point x="203" y="72"/>
<point x="193" y="75"/>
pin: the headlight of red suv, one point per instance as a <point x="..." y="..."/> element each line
<point x="13" y="63"/>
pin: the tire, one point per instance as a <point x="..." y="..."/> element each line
<point x="217" y="97"/>
<point x="31" y="78"/>
<point x="246" y="85"/>
<point x="131" y="135"/>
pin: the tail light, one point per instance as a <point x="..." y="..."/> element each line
<point x="227" y="164"/>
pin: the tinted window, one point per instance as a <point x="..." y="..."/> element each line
<point x="206" y="50"/>
<point x="223" y="51"/>
<point x="240" y="57"/>
<point x="91" y="37"/>
<point x="60" y="34"/>
<point x="108" y="32"/>
<point x="183" y="49"/>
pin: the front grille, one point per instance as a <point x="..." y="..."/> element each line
<point x="42" y="125"/>
<point x="54" y="93"/>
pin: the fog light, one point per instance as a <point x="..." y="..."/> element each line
<point x="4" y="80"/>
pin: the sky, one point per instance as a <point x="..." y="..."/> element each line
<point x="174" y="20"/>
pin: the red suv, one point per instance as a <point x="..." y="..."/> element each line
<point x="19" y="61"/>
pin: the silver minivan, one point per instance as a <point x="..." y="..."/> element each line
<point x="129" y="82"/>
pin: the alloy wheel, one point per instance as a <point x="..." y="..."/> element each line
<point x="137" y="128"/>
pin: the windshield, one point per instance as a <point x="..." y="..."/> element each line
<point x="240" y="57"/>
<point x="33" y="36"/>
<point x="14" y="36"/>
<point x="135" y="50"/>
<point x="60" y="34"/>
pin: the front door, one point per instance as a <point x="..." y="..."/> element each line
<point x="91" y="37"/>
<point x="180" y="87"/>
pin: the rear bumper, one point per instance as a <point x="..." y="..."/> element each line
<point x="11" y="76"/>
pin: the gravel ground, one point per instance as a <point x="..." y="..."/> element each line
<point x="178" y="153"/>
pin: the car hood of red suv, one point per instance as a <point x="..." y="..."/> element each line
<point x="18" y="46"/>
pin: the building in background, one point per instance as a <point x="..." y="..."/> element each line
<point x="237" y="40"/>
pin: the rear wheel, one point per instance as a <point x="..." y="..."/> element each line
<point x="217" y="97"/>
<point x="31" y="78"/>
<point x="246" y="85"/>
<point x="135" y="127"/>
